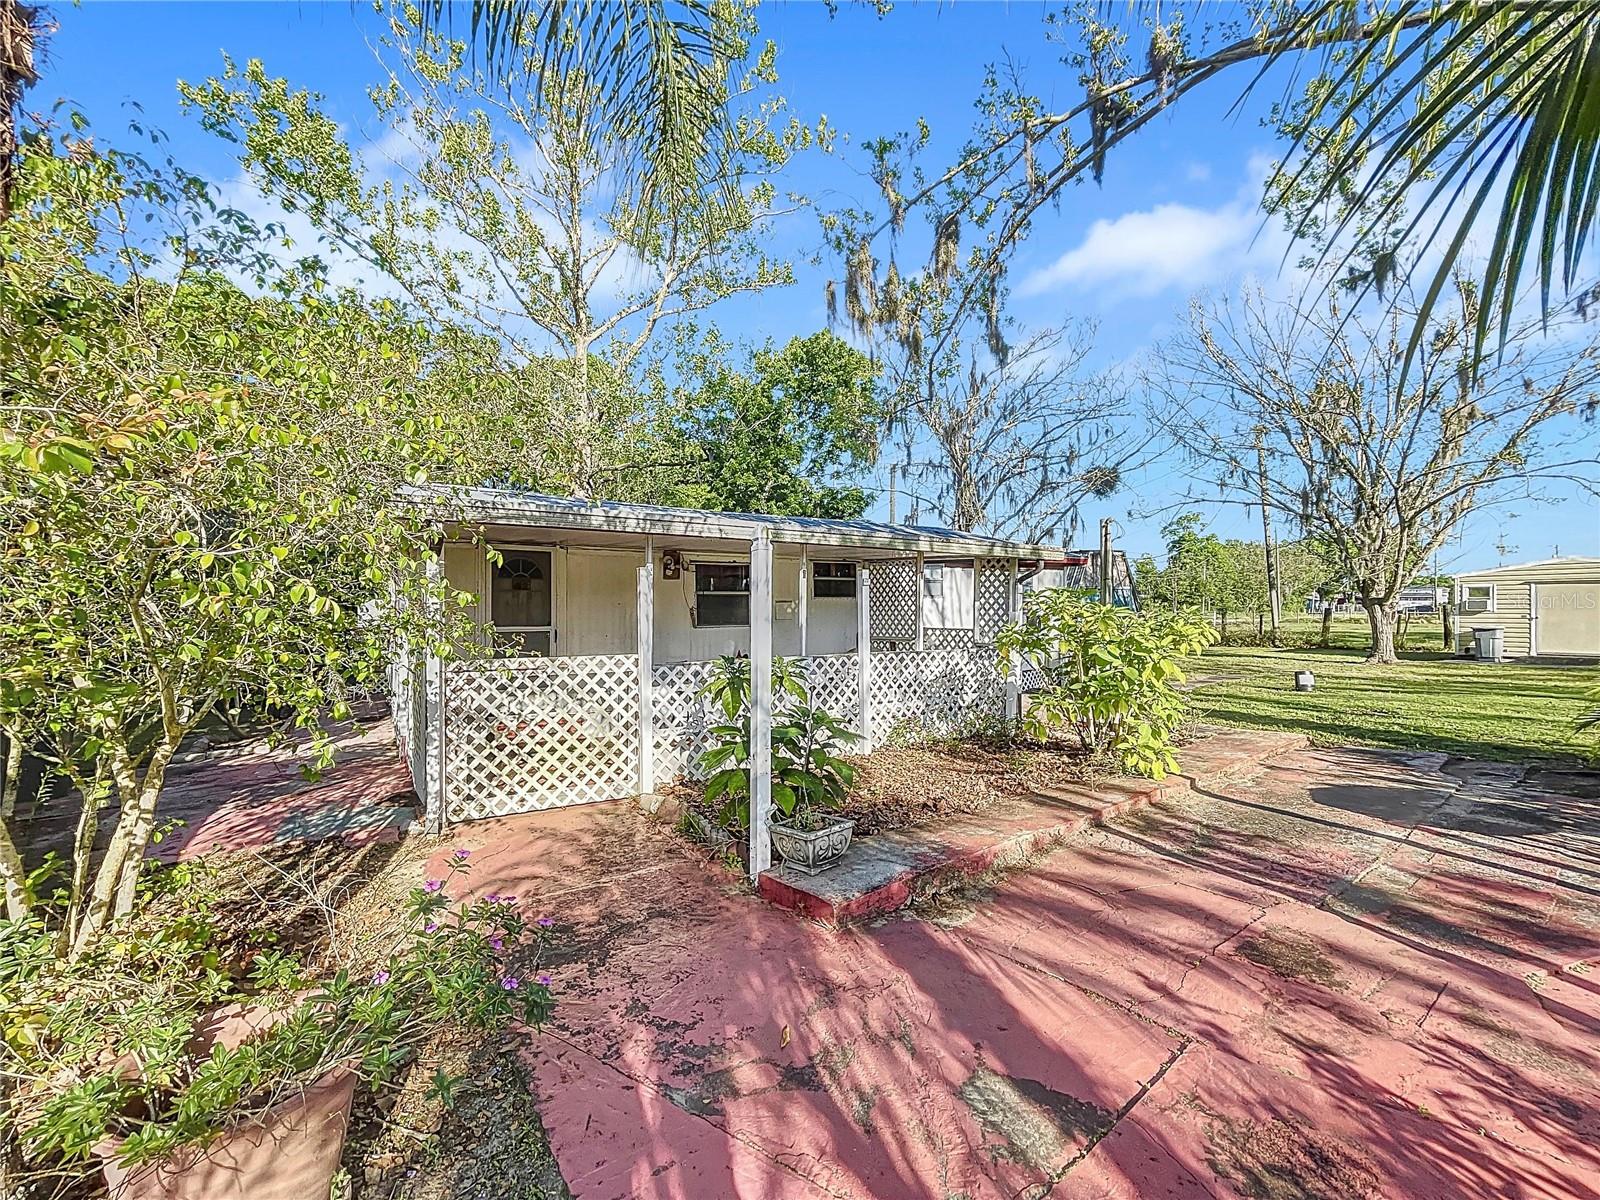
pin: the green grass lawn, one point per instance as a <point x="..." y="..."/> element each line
<point x="1429" y="701"/>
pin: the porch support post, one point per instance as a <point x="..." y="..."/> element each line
<point x="1013" y="676"/>
<point x="917" y="590"/>
<point x="977" y="585"/>
<point x="645" y="600"/>
<point x="803" y="600"/>
<point x="434" y="714"/>
<point x="760" y="702"/>
<point x="864" y="657"/>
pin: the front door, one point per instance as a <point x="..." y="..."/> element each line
<point x="522" y="601"/>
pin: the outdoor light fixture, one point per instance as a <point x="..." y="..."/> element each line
<point x="1304" y="680"/>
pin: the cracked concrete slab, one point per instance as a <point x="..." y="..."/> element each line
<point x="1350" y="974"/>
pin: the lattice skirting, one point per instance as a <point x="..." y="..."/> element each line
<point x="683" y="716"/>
<point x="408" y="707"/>
<point x="522" y="734"/>
<point x="938" y="692"/>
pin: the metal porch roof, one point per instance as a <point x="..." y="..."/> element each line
<point x="505" y="506"/>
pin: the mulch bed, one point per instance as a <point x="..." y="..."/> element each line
<point x="899" y="786"/>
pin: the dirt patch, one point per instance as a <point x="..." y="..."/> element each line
<point x="1040" y="1127"/>
<point x="489" y="1144"/>
<point x="1283" y="1159"/>
<point x="1291" y="956"/>
<point x="906" y="785"/>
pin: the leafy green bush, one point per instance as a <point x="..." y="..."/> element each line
<point x="1109" y="674"/>
<point x="809" y="774"/>
<point x="114" y="1044"/>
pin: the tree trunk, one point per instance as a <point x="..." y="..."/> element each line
<point x="1380" y="616"/>
<point x="12" y="783"/>
<point x="13" y="876"/>
<point x="1327" y="627"/>
<point x="113" y="892"/>
<point x="1447" y="615"/>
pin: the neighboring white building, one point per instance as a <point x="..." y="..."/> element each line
<point x="1548" y="609"/>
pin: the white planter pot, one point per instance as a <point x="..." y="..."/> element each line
<point x="812" y="851"/>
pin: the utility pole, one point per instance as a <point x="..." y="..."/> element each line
<point x="1105" y="560"/>
<point x="893" y="467"/>
<point x="1274" y="599"/>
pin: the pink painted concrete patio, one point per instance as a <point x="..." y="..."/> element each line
<point x="1349" y="975"/>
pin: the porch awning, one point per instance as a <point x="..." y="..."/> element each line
<point x="608" y="519"/>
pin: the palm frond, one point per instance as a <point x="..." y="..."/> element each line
<point x="1463" y="108"/>
<point x="661" y="68"/>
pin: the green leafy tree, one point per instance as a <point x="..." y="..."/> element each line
<point x="1110" y="674"/>
<point x="508" y="218"/>
<point x="197" y="498"/>
<point x="1376" y="461"/>
<point x="789" y="436"/>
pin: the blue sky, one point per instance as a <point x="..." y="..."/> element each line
<point x="1174" y="214"/>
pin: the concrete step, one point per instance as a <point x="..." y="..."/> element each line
<point x="884" y="872"/>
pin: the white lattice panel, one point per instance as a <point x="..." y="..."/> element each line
<point x="949" y="639"/>
<point x="896" y="594"/>
<point x="408" y="708"/>
<point x="681" y="718"/>
<point x="832" y="682"/>
<point x="531" y="733"/>
<point x="991" y="598"/>
<point x="934" y="691"/>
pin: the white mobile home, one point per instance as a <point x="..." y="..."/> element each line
<point x="602" y="621"/>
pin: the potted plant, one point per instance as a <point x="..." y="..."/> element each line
<point x="189" y="1075"/>
<point x="810" y="777"/>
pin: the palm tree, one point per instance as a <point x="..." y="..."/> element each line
<point x="661" y="68"/>
<point x="1477" y="112"/>
<point x="1472" y="113"/>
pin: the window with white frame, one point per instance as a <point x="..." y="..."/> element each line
<point x="933" y="580"/>
<point x="833" y="580"/>
<point x="1477" y="598"/>
<point x="521" y="602"/>
<point x="721" y="594"/>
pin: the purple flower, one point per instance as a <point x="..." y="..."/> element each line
<point x="497" y="943"/>
<point x="543" y="981"/>
<point x="511" y="983"/>
<point x="508" y="899"/>
<point x="546" y="922"/>
<point x="461" y="854"/>
<point x="430" y="926"/>
<point x="433" y="885"/>
<point x="492" y="898"/>
<point x="380" y="978"/>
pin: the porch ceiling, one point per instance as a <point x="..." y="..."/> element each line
<point x="530" y="517"/>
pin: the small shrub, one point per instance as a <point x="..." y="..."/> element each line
<point x="105" y="1046"/>
<point x="1110" y="675"/>
<point x="809" y="773"/>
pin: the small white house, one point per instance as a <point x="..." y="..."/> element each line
<point x="1547" y="609"/>
<point x="604" y="620"/>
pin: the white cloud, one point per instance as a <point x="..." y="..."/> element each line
<point x="1170" y="246"/>
<point x="1197" y="172"/>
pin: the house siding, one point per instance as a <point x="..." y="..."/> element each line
<point x="1514" y="600"/>
<point x="595" y="606"/>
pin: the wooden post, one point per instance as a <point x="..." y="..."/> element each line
<point x="646" y="603"/>
<point x="803" y="600"/>
<point x="760" y="702"/>
<point x="916" y="599"/>
<point x="864" y="658"/>
<point x="434" y="725"/>
<point x="1014" y="675"/>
